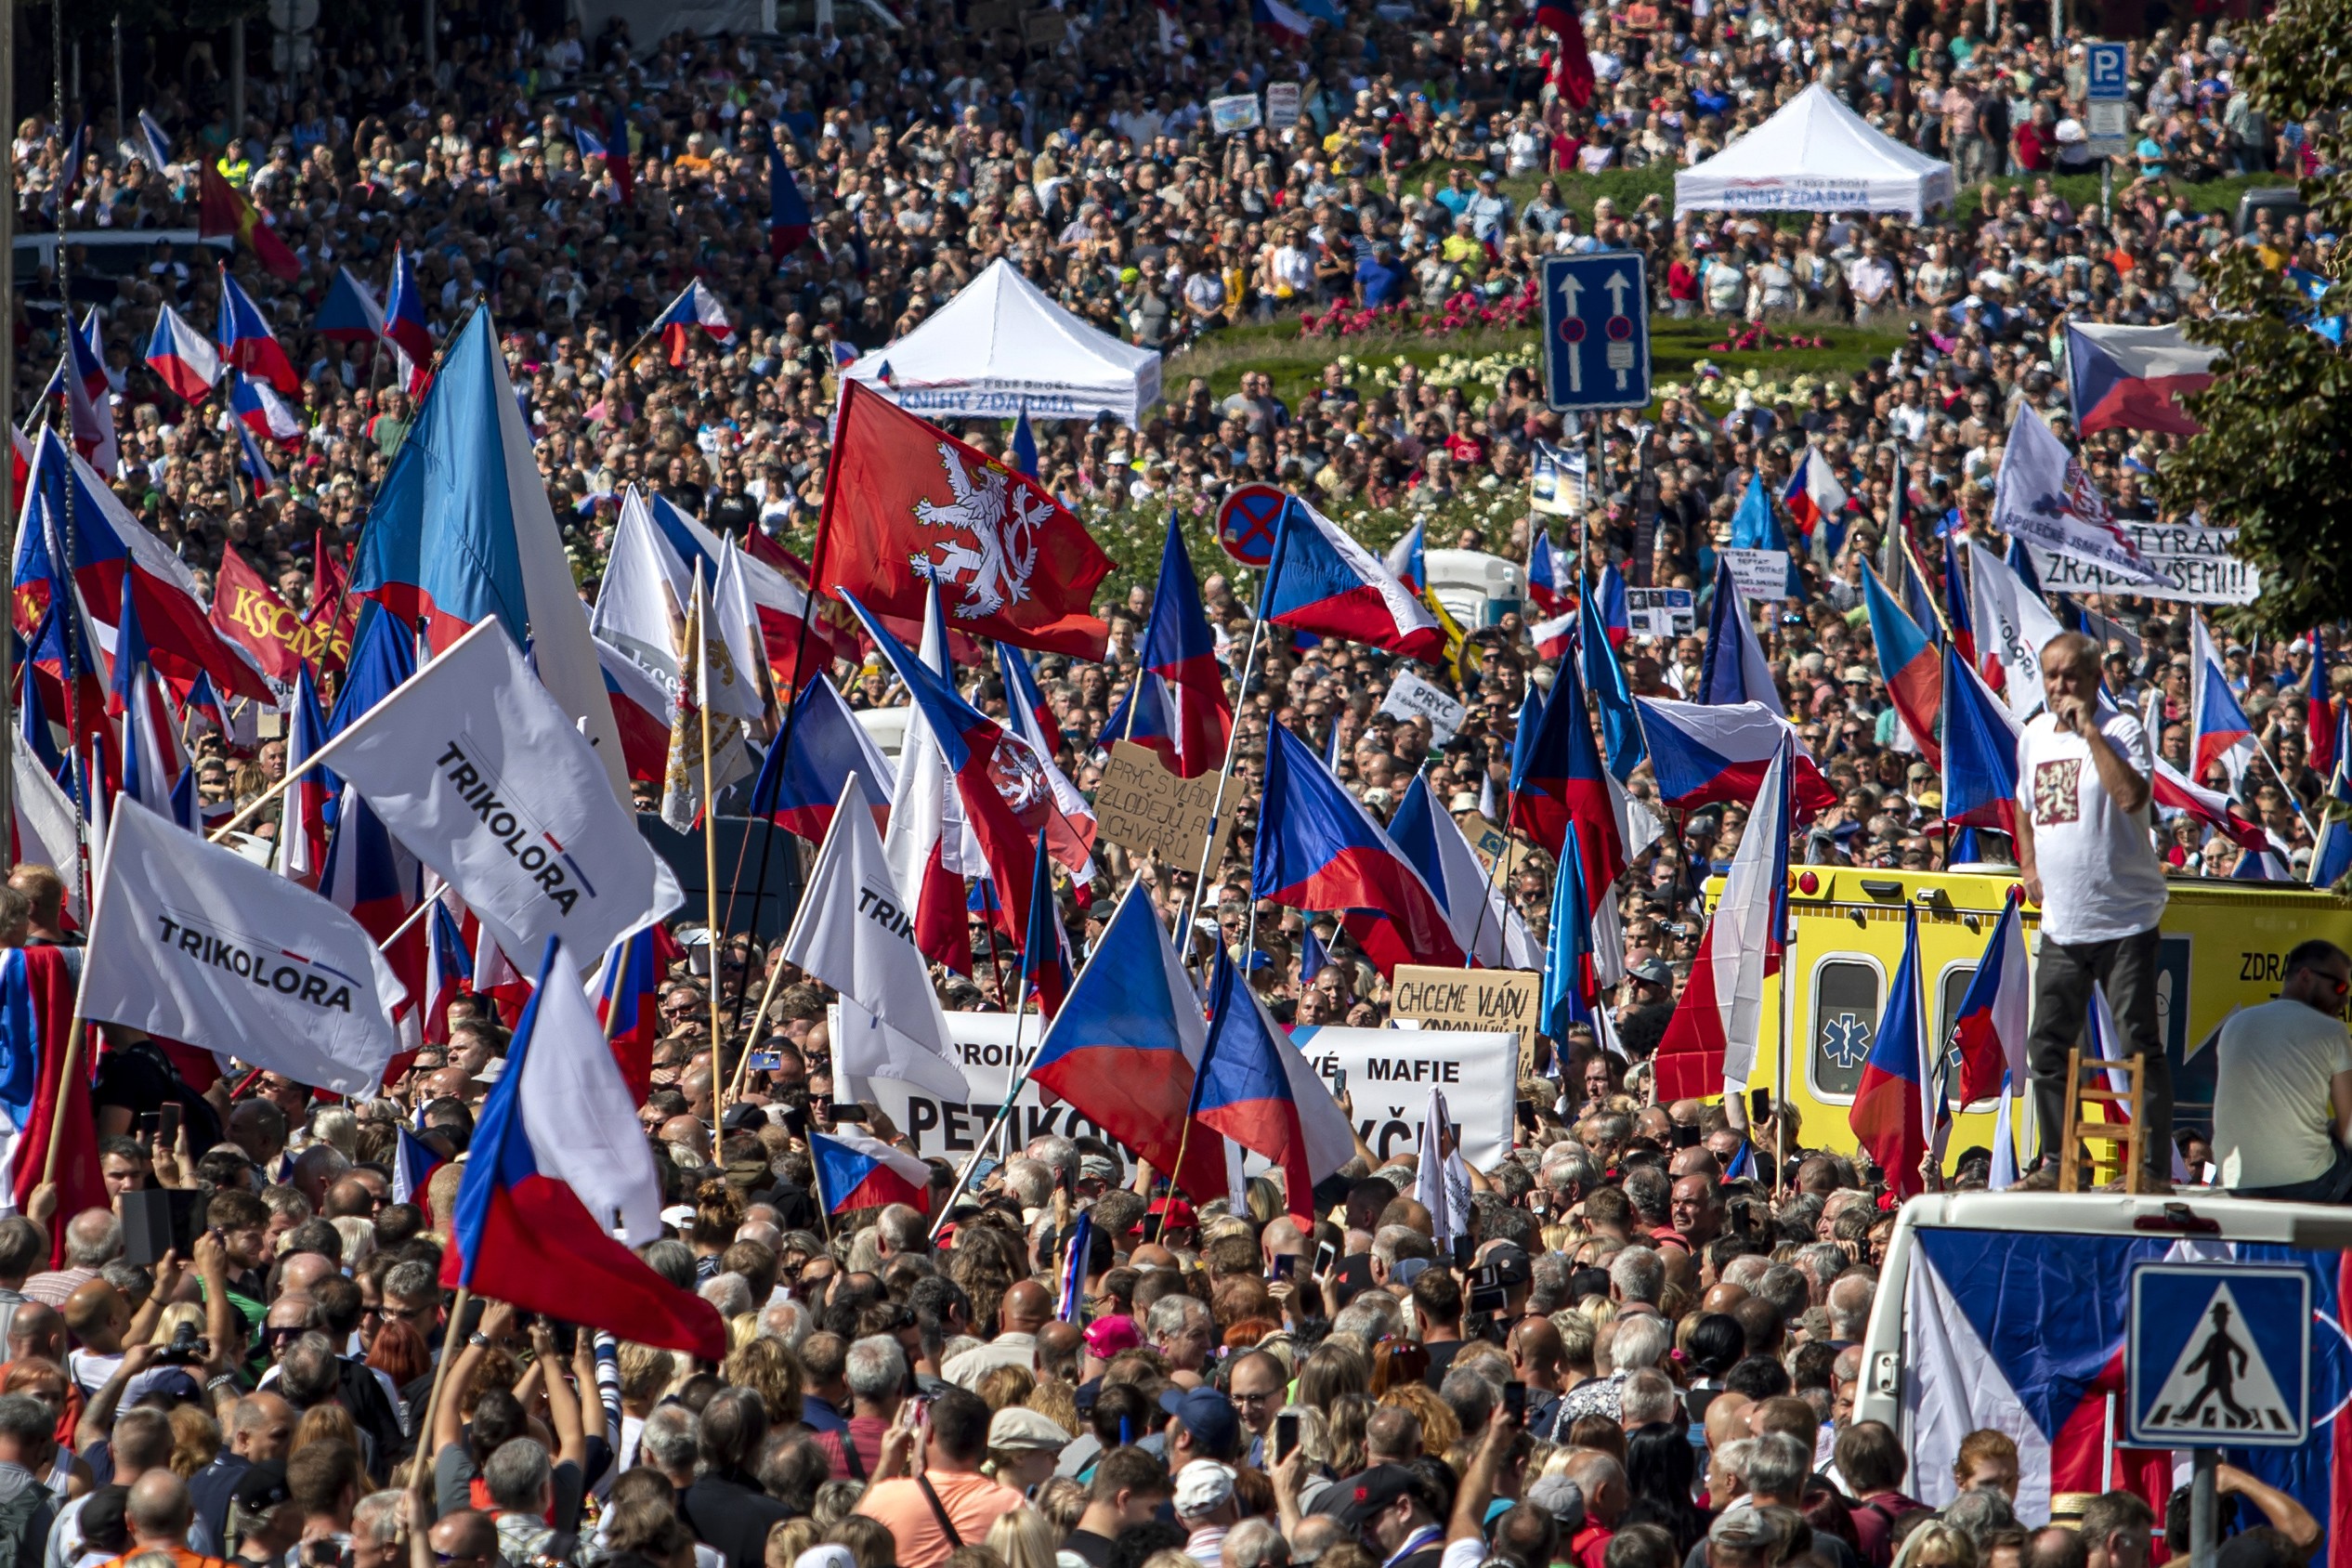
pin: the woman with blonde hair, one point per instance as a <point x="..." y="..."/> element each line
<point x="1025" y="1538"/>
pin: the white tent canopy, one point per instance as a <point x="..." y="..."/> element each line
<point x="1816" y="155"/>
<point x="1001" y="345"/>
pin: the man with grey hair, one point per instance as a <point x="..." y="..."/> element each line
<point x="1849" y="1301"/>
<point x="875" y="1368"/>
<point x="731" y="1293"/>
<point x="1647" y="1395"/>
<point x="1640" y="1342"/>
<point x="93" y="1239"/>
<point x="1029" y="1180"/>
<point x="1567" y="1177"/>
<point x="789" y="1321"/>
<point x="1980" y="1513"/>
<point x="375" y="1529"/>
<point x="1057" y="1154"/>
<point x="1637" y="1278"/>
<point x="901" y="1231"/>
<point x="1393" y="1244"/>
<point x="521" y="1480"/>
<point x="1180" y="1329"/>
<point x="1371" y="1317"/>
<point x="1254" y="1543"/>
<point x="671" y="1437"/>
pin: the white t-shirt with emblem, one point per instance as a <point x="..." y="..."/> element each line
<point x="2101" y="876"/>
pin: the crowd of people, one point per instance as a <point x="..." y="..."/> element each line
<point x="1644" y="1357"/>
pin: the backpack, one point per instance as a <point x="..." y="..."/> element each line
<point x="25" y="1526"/>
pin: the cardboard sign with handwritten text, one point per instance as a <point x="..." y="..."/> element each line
<point x="1480" y="999"/>
<point x="1144" y="809"/>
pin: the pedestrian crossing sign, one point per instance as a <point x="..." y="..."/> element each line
<point x="2218" y="1355"/>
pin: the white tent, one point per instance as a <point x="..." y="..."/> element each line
<point x="1001" y="345"/>
<point x="1816" y="155"/>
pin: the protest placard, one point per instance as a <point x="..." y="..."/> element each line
<point x="1410" y="696"/>
<point x="2200" y="564"/>
<point x="1468" y="999"/>
<point x="1237" y="112"/>
<point x="1663" y="612"/>
<point x="1389" y="1075"/>
<point x="1282" y="105"/>
<point x="1144" y="809"/>
<point x="1762" y="575"/>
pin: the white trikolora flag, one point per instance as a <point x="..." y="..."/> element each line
<point x="193" y="942"/>
<point x="854" y="933"/>
<point x="46" y="831"/>
<point x="480" y="772"/>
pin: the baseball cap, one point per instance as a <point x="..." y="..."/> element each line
<point x="1206" y="1415"/>
<point x="1177" y="1215"/>
<point x="1106" y="1337"/>
<point x="1373" y="1492"/>
<point x="262" y="1487"/>
<point x="1203" y="1488"/>
<point x="1653" y="972"/>
<point x="1510" y="1264"/>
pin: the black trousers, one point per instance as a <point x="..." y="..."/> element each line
<point x="2126" y="969"/>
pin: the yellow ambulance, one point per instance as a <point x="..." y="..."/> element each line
<point x="2221" y="949"/>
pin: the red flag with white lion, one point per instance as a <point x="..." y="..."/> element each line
<point x="907" y="503"/>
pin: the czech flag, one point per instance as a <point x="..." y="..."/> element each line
<point x="1709" y="1044"/>
<point x="1554" y="639"/>
<point x="1072" y="841"/>
<point x="1179" y="648"/>
<point x="1980" y="752"/>
<point x="787" y="215"/>
<point x="182" y="358"/>
<point x="155" y="766"/>
<point x="1889" y="1114"/>
<point x="254" y="462"/>
<point x="2319" y="713"/>
<point x="1612" y="693"/>
<point x="978" y="752"/>
<point x="798" y="786"/>
<point x="247" y="341"/>
<point x="1701" y="755"/>
<point x="1123" y="1050"/>
<point x="1990" y="1029"/>
<point x="1045" y="961"/>
<point x="1490" y="931"/>
<point x="2130" y="378"/>
<point x="1957" y="616"/>
<point x="558" y="1146"/>
<point x="694" y="306"/>
<point x="154" y="143"/>
<point x="1813" y="491"/>
<point x="404" y="319"/>
<point x="2331" y="853"/>
<point x="350" y="313"/>
<point x="1406" y="558"/>
<point x="261" y="409"/>
<point x="1321" y="581"/>
<point x="640" y="710"/>
<point x="2173" y="792"/>
<point x="1261" y="1092"/>
<point x="450" y="973"/>
<point x="1560" y="779"/>
<point x="1285" y="25"/>
<point x="413" y="1162"/>
<point x="1544" y="576"/>
<point x="43" y="1104"/>
<point x="1024" y="444"/>
<point x="591" y="145"/>
<point x="308" y="818"/>
<point x="1569" y="990"/>
<point x="1614" y="618"/>
<point x="1907" y="657"/>
<point x="855" y="1170"/>
<point x="2218" y="727"/>
<point x="1735" y="669"/>
<point x="628" y="1001"/>
<point x="1318" y="849"/>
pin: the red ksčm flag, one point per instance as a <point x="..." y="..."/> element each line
<point x="906" y="502"/>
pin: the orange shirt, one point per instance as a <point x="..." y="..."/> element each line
<point x="973" y="1503"/>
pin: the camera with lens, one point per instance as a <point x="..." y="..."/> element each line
<point x="189" y="1348"/>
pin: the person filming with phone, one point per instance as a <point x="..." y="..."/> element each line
<point x="2084" y="794"/>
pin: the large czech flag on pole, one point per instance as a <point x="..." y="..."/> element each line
<point x="1259" y="1091"/>
<point x="1318" y="849"/>
<point x="462" y="531"/>
<point x="1980" y="750"/>
<point x="1989" y="1031"/>
<point x="855" y="1170"/>
<point x="907" y="504"/>
<point x="796" y="792"/>
<point x="1323" y="582"/>
<point x="2129" y="378"/>
<point x="558" y="1149"/>
<point x="1709" y="1044"/>
<point x="2218" y="727"/>
<point x="1560" y="779"/>
<point x="1907" y="660"/>
<point x="1124" y="1048"/>
<point x="1701" y="755"/>
<point x="1180" y="650"/>
<point x="1889" y="1115"/>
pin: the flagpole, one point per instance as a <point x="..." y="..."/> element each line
<point x="711" y="869"/>
<point x="450" y="1352"/>
<point x="1232" y="736"/>
<point x="423" y="908"/>
<point x="816" y="1180"/>
<point x="758" y="1019"/>
<point x="1012" y="1101"/>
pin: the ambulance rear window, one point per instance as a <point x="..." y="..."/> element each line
<point x="1846" y="999"/>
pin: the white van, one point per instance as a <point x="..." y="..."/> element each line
<point x="1477" y="589"/>
<point x="2007" y="1311"/>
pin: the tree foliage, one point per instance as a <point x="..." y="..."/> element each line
<point x="2276" y="456"/>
